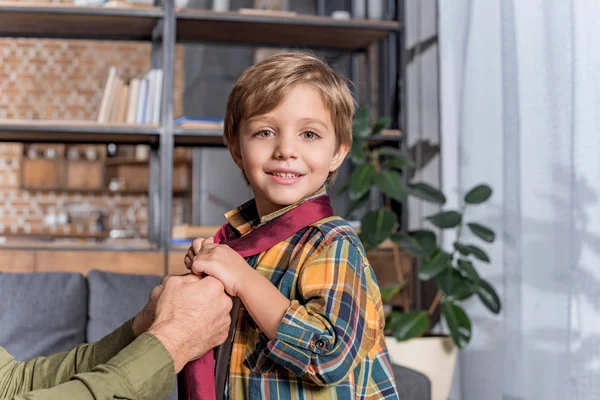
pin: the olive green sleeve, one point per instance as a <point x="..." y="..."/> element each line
<point x="104" y="370"/>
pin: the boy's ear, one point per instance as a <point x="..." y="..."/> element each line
<point x="338" y="157"/>
<point x="236" y="154"/>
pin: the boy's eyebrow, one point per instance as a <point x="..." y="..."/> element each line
<point x="259" y="117"/>
<point x="315" y="120"/>
<point x="304" y="120"/>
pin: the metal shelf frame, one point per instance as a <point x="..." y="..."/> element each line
<point x="165" y="27"/>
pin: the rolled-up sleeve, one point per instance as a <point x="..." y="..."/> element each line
<point x="334" y="323"/>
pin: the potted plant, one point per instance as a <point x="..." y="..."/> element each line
<point x="453" y="270"/>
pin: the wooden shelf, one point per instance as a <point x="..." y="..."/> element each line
<point x="55" y="20"/>
<point x="198" y="137"/>
<point x="57" y="131"/>
<point x="112" y="161"/>
<point x="277" y="30"/>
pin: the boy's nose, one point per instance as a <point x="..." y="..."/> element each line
<point x="285" y="148"/>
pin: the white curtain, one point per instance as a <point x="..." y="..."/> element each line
<point x="520" y="110"/>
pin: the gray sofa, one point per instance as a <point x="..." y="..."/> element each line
<point x="44" y="313"/>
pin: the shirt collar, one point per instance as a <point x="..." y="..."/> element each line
<point x="245" y="217"/>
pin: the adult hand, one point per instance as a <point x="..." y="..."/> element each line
<point x="145" y="318"/>
<point x="192" y="317"/>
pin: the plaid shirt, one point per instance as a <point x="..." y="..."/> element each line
<point x="330" y="344"/>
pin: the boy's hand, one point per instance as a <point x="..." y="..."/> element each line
<point x="194" y="249"/>
<point x="224" y="263"/>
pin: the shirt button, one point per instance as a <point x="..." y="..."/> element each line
<point x="320" y="344"/>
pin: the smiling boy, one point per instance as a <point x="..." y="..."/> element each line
<point x="312" y="321"/>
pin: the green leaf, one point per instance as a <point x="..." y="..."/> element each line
<point x="391" y="152"/>
<point x="482" y="232"/>
<point x="395" y="159"/>
<point x="357" y="152"/>
<point x="409" y="244"/>
<point x="478" y="253"/>
<point x="356" y="204"/>
<point x="453" y="285"/>
<point x="362" y="114"/>
<point x="462" y="249"/>
<point x="446" y="219"/>
<point x="478" y="194"/>
<point x="390" y="290"/>
<point x="390" y="183"/>
<point x="398" y="163"/>
<point x="361" y="181"/>
<point x="426" y="192"/>
<point x="360" y="125"/>
<point x="488" y="296"/>
<point x="458" y="323"/>
<point x="468" y="271"/>
<point x="427" y="241"/>
<point x="434" y="266"/>
<point x="409" y="325"/>
<point x="376" y="226"/>
<point x="381" y="124"/>
<point x="343" y="189"/>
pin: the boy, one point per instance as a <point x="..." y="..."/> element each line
<point x="311" y="324"/>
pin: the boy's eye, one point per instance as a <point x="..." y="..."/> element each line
<point x="264" y="134"/>
<point x="310" y="135"/>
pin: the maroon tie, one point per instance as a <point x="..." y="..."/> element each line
<point x="197" y="380"/>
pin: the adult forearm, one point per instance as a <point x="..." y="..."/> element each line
<point x="264" y="302"/>
<point x="45" y="372"/>
<point x="143" y="370"/>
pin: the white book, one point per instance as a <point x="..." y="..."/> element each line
<point x="104" y="103"/>
<point x="143" y="99"/>
<point x="158" y="78"/>
<point x="134" y="86"/>
<point x="149" y="115"/>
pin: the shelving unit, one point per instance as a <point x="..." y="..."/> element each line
<point x="165" y="27"/>
<point x="56" y="20"/>
<point x="52" y="131"/>
<point x="293" y="30"/>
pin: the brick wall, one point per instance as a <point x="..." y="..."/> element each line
<point x="64" y="79"/>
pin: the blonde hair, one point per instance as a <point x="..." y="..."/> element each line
<point x="262" y="87"/>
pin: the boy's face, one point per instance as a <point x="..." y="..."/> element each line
<point x="288" y="153"/>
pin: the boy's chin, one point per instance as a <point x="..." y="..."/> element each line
<point x="285" y="198"/>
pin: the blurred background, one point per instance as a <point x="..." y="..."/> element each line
<point x="475" y="143"/>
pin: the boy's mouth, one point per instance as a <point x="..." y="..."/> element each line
<point x="285" y="178"/>
<point x="288" y="175"/>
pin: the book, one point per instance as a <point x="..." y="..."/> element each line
<point x="199" y="123"/>
<point x="104" y="103"/>
<point x="158" y="85"/>
<point x="149" y="107"/>
<point x="142" y="100"/>
<point x="122" y="104"/>
<point x="134" y="86"/>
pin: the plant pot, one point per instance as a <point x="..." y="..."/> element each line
<point x="434" y="356"/>
<point x="392" y="265"/>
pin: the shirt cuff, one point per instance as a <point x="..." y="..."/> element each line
<point x="295" y="344"/>
<point x="147" y="366"/>
<point x="111" y="344"/>
<point x="294" y="331"/>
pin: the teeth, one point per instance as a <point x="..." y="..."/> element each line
<point x="285" y="175"/>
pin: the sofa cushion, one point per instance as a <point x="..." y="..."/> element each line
<point x="411" y="384"/>
<point x="42" y="313"/>
<point x="115" y="298"/>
